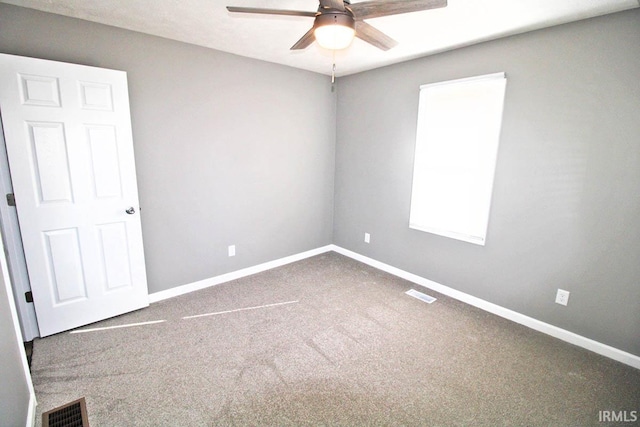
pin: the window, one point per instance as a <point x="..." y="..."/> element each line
<point x="456" y="148"/>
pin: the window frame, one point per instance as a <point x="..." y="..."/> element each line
<point x="424" y="195"/>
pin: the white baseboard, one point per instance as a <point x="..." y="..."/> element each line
<point x="202" y="284"/>
<point x="554" y="331"/>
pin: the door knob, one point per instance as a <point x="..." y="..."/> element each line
<point x="131" y="211"/>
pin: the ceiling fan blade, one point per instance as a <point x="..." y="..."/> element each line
<point x="332" y="4"/>
<point x="271" y="11"/>
<point x="374" y="36"/>
<point x="377" y="8"/>
<point x="305" y="41"/>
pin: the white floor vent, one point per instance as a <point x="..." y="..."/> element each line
<point x="422" y="297"/>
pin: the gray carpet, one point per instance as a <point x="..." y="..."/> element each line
<point x="354" y="350"/>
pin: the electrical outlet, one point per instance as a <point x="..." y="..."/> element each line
<point x="367" y="238"/>
<point x="562" y="297"/>
<point x="232" y="250"/>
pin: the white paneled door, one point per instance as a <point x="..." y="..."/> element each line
<point x="69" y="143"/>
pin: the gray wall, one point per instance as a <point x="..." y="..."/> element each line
<point x="229" y="150"/>
<point x="14" y="391"/>
<point x="566" y="206"/>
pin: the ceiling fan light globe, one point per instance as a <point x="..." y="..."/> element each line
<point x="334" y="37"/>
<point x="334" y="31"/>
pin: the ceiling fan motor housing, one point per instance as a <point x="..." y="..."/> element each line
<point x="335" y="18"/>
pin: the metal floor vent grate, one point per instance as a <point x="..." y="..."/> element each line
<point x="72" y="414"/>
<point x="422" y="297"/>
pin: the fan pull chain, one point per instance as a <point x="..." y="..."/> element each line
<point x="333" y="73"/>
<point x="333" y="78"/>
<point x="333" y="70"/>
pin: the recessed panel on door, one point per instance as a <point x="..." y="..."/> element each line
<point x="115" y="255"/>
<point x="104" y="161"/>
<point x="65" y="265"/>
<point x="96" y="96"/>
<point x="50" y="161"/>
<point x="41" y="91"/>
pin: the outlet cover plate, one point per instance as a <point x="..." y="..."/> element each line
<point x="562" y="297"/>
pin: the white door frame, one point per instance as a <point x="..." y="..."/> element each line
<point x="14" y="252"/>
<point x="9" y="314"/>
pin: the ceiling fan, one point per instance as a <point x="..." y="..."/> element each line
<point x="338" y="21"/>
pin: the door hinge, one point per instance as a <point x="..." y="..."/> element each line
<point x="28" y="296"/>
<point x="11" y="199"/>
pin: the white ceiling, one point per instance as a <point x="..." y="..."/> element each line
<point x="268" y="37"/>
